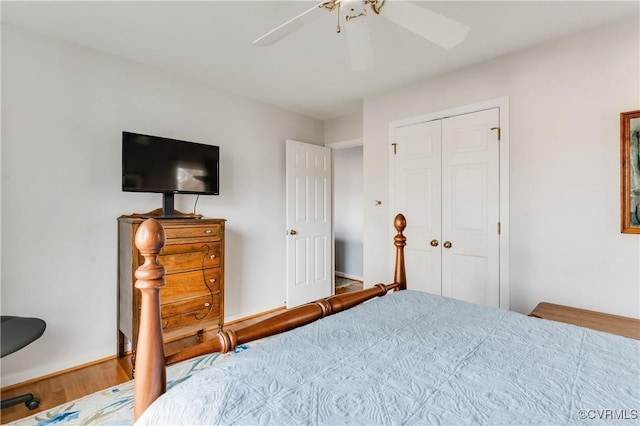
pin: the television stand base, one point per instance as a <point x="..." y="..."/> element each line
<point x="157" y="214"/>
<point x="187" y="216"/>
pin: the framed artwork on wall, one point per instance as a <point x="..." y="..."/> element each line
<point x="630" y="172"/>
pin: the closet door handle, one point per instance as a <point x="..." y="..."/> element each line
<point x="293" y="232"/>
<point x="447" y="244"/>
<point x="434" y="243"/>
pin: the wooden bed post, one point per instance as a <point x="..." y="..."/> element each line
<point x="399" y="275"/>
<point x="150" y="381"/>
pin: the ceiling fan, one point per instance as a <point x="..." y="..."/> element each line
<point x="436" y="28"/>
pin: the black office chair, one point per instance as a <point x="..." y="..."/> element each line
<point x="15" y="334"/>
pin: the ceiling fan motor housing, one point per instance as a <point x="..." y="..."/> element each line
<point x="353" y="9"/>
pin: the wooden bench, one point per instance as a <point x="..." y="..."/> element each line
<point x="614" y="324"/>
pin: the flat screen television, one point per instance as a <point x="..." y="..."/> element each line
<point x="169" y="166"/>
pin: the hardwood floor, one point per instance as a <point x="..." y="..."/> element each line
<point x="66" y="386"/>
<point x="354" y="286"/>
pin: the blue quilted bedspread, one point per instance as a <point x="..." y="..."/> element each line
<point x="415" y="358"/>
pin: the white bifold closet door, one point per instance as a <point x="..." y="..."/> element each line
<point x="446" y="183"/>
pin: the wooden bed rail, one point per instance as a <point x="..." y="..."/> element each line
<point x="227" y="340"/>
<point x="150" y="379"/>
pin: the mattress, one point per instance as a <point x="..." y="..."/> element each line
<point x="416" y="358"/>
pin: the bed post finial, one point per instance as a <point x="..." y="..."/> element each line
<point x="399" y="275"/>
<point x="150" y="381"/>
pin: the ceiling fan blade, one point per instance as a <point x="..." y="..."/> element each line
<point x="360" y="47"/>
<point x="291" y="25"/>
<point x="436" y="28"/>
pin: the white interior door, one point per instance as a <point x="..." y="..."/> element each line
<point x="470" y="208"/>
<point x="308" y="221"/>
<point x="417" y="193"/>
<point x="446" y="182"/>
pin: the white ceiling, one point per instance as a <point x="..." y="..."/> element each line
<point x="308" y="71"/>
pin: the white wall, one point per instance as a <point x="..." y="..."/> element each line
<point x="348" y="208"/>
<point x="343" y="128"/>
<point x="63" y="111"/>
<point x="565" y="100"/>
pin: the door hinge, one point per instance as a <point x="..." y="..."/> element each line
<point x="394" y="145"/>
<point x="498" y="133"/>
<point x="499" y="228"/>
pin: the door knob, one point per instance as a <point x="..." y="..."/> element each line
<point x="434" y="243"/>
<point x="293" y="232"/>
<point x="447" y="244"/>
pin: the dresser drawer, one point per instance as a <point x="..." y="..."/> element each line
<point x="203" y="310"/>
<point x="187" y="285"/>
<point x="182" y="257"/>
<point x="196" y="231"/>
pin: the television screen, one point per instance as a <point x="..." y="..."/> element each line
<point x="157" y="164"/>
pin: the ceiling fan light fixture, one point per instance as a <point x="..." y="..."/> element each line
<point x="360" y="45"/>
<point x="353" y="9"/>
<point x="363" y="12"/>
<point x="330" y="5"/>
<point x="376" y="5"/>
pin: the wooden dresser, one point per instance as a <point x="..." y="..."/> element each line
<point x="614" y="324"/>
<point x="192" y="301"/>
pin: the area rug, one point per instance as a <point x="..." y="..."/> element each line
<point x="114" y="406"/>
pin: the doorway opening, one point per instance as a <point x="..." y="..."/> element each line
<point x="348" y="180"/>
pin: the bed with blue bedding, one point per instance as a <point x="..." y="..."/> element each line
<point x="416" y="358"/>
<point x="380" y="356"/>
